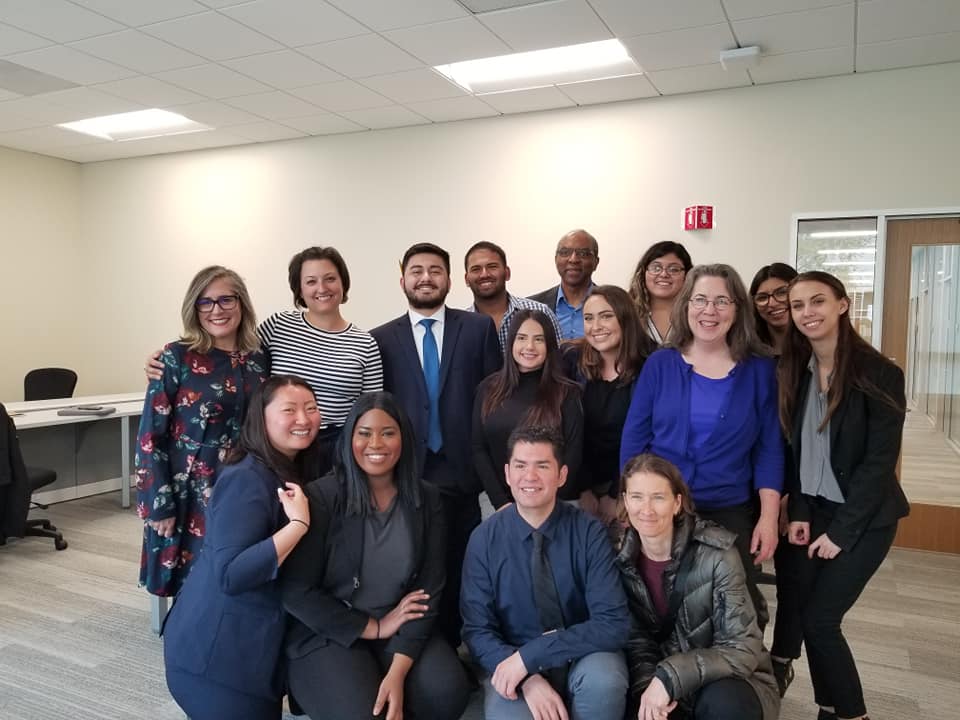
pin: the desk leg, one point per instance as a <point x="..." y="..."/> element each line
<point x="158" y="611"/>
<point x="125" y="462"/>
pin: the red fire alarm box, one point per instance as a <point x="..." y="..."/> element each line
<point x="698" y="217"/>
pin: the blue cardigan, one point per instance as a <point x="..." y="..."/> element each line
<point x="227" y="623"/>
<point x="743" y="453"/>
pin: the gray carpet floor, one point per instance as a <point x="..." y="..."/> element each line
<point x="75" y="641"/>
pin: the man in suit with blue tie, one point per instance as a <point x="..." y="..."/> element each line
<point x="433" y="359"/>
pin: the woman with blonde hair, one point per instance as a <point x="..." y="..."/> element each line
<point x="191" y="419"/>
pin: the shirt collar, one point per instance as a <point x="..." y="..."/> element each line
<point x="440" y="316"/>
<point x="549" y="526"/>
<point x="561" y="296"/>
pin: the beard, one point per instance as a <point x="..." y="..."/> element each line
<point x="423" y="303"/>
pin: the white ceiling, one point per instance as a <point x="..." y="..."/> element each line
<point x="277" y="69"/>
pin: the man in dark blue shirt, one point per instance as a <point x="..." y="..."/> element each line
<point x="558" y="656"/>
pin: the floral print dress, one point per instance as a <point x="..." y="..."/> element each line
<point x="191" y="419"/>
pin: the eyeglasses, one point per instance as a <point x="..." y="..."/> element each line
<point x="582" y="253"/>
<point x="721" y="302"/>
<point x="226" y="302"/>
<point x="672" y="270"/>
<point x="780" y="294"/>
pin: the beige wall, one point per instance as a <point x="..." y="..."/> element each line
<point x="625" y="171"/>
<point x="43" y="321"/>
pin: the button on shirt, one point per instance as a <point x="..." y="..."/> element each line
<point x="570" y="317"/>
<point x="419" y="330"/>
<point x="499" y="612"/>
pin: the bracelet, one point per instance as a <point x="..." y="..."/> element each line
<point x="378" y="628"/>
<point x="306" y="525"/>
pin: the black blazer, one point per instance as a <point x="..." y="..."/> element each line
<point x="548" y="297"/>
<point x="865" y="437"/>
<point x="471" y="351"/>
<point x="333" y="548"/>
<point x="14" y="482"/>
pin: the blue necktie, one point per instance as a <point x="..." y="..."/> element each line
<point x="431" y="373"/>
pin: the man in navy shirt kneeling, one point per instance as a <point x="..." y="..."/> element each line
<point x="543" y="609"/>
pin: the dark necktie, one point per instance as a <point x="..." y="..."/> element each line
<point x="431" y="374"/>
<point x="547" y="599"/>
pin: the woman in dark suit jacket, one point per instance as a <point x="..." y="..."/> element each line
<point x="223" y="636"/>
<point x="364" y="585"/>
<point x="839" y="399"/>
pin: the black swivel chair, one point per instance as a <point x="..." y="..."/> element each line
<point x="49" y="384"/>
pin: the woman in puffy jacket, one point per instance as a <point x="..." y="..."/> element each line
<point x="695" y="649"/>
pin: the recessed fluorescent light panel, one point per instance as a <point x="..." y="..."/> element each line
<point x="540" y="68"/>
<point x="136" y="125"/>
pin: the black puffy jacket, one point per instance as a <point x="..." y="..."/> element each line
<point x="715" y="635"/>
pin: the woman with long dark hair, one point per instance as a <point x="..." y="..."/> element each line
<point x="708" y="403"/>
<point x="655" y="285"/>
<point x="842" y="407"/>
<point x="191" y="419"/>
<point x="530" y="389"/>
<point x="695" y="646"/>
<point x="224" y="635"/>
<point x="606" y="362"/>
<point x="364" y="586"/>
<point x="771" y="310"/>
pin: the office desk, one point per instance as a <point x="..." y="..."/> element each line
<point x="78" y="447"/>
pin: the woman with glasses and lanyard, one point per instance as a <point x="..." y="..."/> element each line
<point x="769" y="290"/>
<point x="191" y="419"/>
<point x="708" y="403"/>
<point x="656" y="283"/>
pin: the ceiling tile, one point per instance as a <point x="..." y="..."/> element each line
<point x="266" y="131"/>
<point x="7" y="95"/>
<point x="273" y="105"/>
<point x="630" y="17"/>
<point x="222" y="3"/>
<point x="149" y="92"/>
<point x="741" y="9"/>
<point x="213" y="36"/>
<point x="801" y="65"/>
<point x="142" y="12"/>
<point x="73" y="65"/>
<point x="680" y="48"/>
<point x="924" y="50"/>
<point x="215" y="114"/>
<point x="85" y="102"/>
<point x="385" y="117"/>
<point x="43" y="138"/>
<point x="55" y="19"/>
<point x="133" y="49"/>
<point x="461" y="108"/>
<point x="296" y="22"/>
<point x="700" y="77"/>
<point x="362" y="56"/>
<point x="449" y="41"/>
<point x="36" y="109"/>
<point x="213" y="81"/>
<point x="391" y="14"/>
<point x="283" y="70"/>
<point x="519" y="101"/>
<point x="631" y="87"/>
<point x="893" y="19"/>
<point x="794" y="32"/>
<point x="323" y="124"/>
<point x="343" y="95"/>
<point x="13" y="40"/>
<point x="414" y="86"/>
<point x="546" y="25"/>
<point x="10" y="120"/>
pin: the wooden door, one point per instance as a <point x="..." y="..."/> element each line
<point x="930" y="461"/>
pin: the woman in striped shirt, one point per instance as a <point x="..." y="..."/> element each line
<point x="315" y="342"/>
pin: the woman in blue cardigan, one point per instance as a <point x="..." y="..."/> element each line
<point x="707" y="402"/>
<point x="223" y="636"/>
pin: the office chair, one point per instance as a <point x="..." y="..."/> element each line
<point x="49" y="384"/>
<point x="41" y="527"/>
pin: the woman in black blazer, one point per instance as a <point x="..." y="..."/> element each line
<point x="840" y="401"/>
<point x="364" y="586"/>
<point x="223" y="635"/>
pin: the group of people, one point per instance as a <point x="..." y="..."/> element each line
<point x="310" y="491"/>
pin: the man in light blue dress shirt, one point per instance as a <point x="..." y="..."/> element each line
<point x="577" y="256"/>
